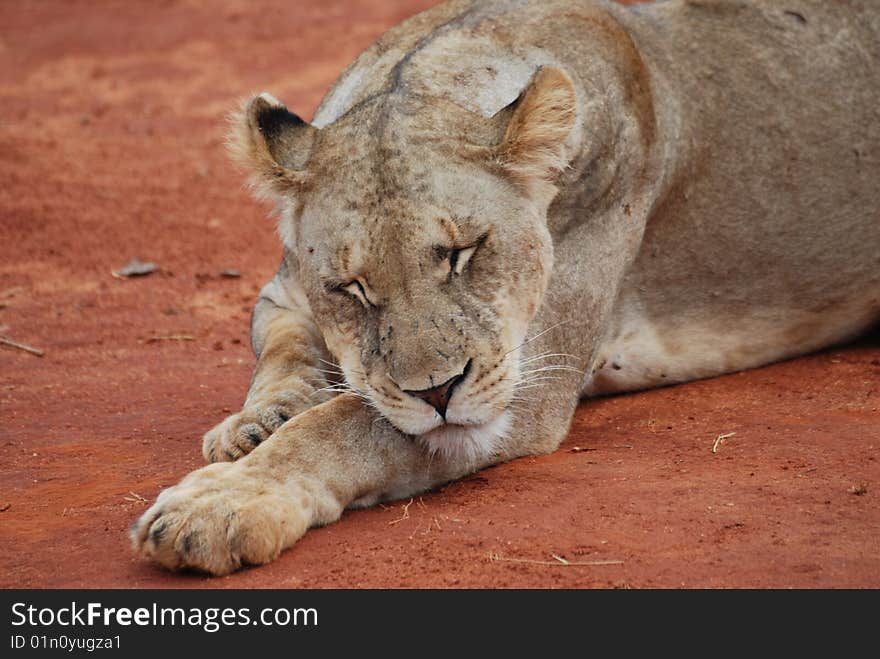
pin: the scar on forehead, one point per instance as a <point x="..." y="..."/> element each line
<point x="343" y="255"/>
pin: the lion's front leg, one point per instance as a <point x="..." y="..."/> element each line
<point x="290" y="377"/>
<point x="226" y="515"/>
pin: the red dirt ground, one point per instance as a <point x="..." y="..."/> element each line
<point x="111" y="137"/>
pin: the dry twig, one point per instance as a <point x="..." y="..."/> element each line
<point x="135" y="497"/>
<point x="557" y="561"/>
<point x="21" y="346"/>
<point x="720" y="439"/>
<point x="171" y="337"/>
<point x="404" y="516"/>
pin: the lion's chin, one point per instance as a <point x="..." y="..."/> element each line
<point x="467" y="443"/>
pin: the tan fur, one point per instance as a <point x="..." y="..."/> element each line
<point x="550" y="199"/>
<point x="248" y="148"/>
<point x="533" y="145"/>
<point x="291" y="375"/>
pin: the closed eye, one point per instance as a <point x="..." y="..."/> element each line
<point x="458" y="258"/>
<point x="356" y="289"/>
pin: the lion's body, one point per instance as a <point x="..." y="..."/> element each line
<point x="765" y="241"/>
<point x="681" y="190"/>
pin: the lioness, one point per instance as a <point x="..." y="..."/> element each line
<point x="504" y="206"/>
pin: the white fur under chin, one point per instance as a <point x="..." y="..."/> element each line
<point x="468" y="444"/>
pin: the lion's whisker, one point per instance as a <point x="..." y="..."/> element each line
<point x="537" y="336"/>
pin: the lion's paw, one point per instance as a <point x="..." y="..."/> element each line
<point x="241" y="433"/>
<point x="219" y="518"/>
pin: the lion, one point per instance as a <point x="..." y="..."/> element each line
<point x="504" y="206"/>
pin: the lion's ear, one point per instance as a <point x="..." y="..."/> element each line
<point x="533" y="149"/>
<point x="272" y="144"/>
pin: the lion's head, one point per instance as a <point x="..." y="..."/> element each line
<point x="420" y="237"/>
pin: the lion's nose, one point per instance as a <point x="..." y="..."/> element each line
<point x="438" y="397"/>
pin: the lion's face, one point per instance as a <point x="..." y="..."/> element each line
<point x="421" y="238"/>
<point x="424" y="274"/>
